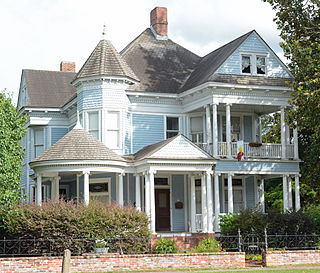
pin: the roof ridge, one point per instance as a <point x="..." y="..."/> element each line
<point x="46" y="70"/>
<point x="124" y="50"/>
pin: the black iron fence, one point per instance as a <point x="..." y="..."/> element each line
<point x="248" y="243"/>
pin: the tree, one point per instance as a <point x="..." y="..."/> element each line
<point x="11" y="155"/>
<point x="299" y="23"/>
<point x="271" y="131"/>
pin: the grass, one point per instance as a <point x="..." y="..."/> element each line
<point x="207" y="270"/>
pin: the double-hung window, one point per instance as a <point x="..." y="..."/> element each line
<point x="172" y="126"/>
<point x="38" y="141"/>
<point x="113" y="129"/>
<point x="93" y="118"/>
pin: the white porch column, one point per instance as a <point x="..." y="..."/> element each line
<point x="215" y="130"/>
<point x="297" y="192"/>
<point x="78" y="188"/>
<point x="39" y="190"/>
<point x="262" y="196"/>
<point x="216" y="201"/>
<point x="152" y="203"/>
<point x="228" y="129"/>
<point x="56" y="188"/>
<point x="283" y="134"/>
<point x="120" y="188"/>
<point x="86" y="196"/>
<point x="147" y="194"/>
<point x="209" y="130"/>
<point x="204" y="204"/>
<point x="295" y="143"/>
<point x="209" y="202"/>
<point x="193" y="204"/>
<point x="289" y="193"/>
<point x="138" y="196"/>
<point x="230" y="194"/>
<point x="285" y="193"/>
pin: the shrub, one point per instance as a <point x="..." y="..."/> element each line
<point x="65" y="225"/>
<point x="208" y="245"/>
<point x="164" y="246"/>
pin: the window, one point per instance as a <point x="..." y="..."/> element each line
<point x="81" y="119"/>
<point x="38" y="142"/>
<point x="99" y="189"/>
<point x="196" y="130"/>
<point x="172" y="126"/>
<point x="113" y="129"/>
<point x="93" y="118"/>
<point x="235" y="129"/>
<point x="246" y="64"/>
<point x="238" y="195"/>
<point x="261" y="65"/>
<point x="253" y="64"/>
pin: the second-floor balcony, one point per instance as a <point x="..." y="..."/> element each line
<point x="263" y="151"/>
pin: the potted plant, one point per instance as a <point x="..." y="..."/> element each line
<point x="100" y="247"/>
<point x="255" y="144"/>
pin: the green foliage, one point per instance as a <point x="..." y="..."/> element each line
<point x="165" y="246"/>
<point x="271" y="131"/>
<point x="298" y="21"/>
<point x="314" y="212"/>
<point x="63" y="223"/>
<point x="273" y="192"/>
<point x="100" y="244"/>
<point x="249" y="222"/>
<point x="209" y="244"/>
<point x="11" y="155"/>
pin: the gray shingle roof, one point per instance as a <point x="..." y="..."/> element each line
<point x="161" y="65"/>
<point x="78" y="144"/>
<point x="48" y="88"/>
<point x="105" y="61"/>
<point x="211" y="62"/>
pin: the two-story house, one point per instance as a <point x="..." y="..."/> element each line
<point x="160" y="128"/>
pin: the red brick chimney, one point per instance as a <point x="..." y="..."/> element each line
<point x="159" y="21"/>
<point x="67" y="66"/>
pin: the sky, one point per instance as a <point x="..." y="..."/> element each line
<point x="39" y="34"/>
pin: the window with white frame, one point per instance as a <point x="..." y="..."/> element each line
<point x="38" y="141"/>
<point x="196" y="124"/>
<point x="253" y="64"/>
<point x="113" y="129"/>
<point x="172" y="126"/>
<point x="237" y="193"/>
<point x="93" y="126"/>
<point x="100" y="189"/>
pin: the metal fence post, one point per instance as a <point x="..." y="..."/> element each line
<point x="266" y="239"/>
<point x="239" y="240"/>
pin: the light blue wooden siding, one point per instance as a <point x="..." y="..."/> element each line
<point x="147" y="129"/>
<point x="253" y="44"/>
<point x="127" y="140"/>
<point x="247" y="124"/>
<point x="89" y="99"/>
<point x="57" y="133"/>
<point x="250" y="195"/>
<point x="178" y="215"/>
<point x="258" y="166"/>
<point x="46" y="138"/>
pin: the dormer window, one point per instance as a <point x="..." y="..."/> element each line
<point x="246" y="64"/>
<point x="253" y="64"/>
<point x="261" y="65"/>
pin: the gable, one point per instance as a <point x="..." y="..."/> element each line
<point x="23" y="95"/>
<point x="254" y="45"/>
<point x="180" y="148"/>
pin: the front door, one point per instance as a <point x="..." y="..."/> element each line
<point x="162" y="197"/>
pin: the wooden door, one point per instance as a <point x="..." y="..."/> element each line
<point x="162" y="198"/>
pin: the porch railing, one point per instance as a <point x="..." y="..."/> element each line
<point x="266" y="150"/>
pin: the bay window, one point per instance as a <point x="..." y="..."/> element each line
<point x="93" y="119"/>
<point x="38" y="141"/>
<point x="113" y="129"/>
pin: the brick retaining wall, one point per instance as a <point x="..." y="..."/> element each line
<point x="275" y="258"/>
<point x="112" y="262"/>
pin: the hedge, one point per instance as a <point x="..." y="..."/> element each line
<point x="66" y="224"/>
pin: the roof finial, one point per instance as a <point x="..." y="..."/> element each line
<point x="104" y="32"/>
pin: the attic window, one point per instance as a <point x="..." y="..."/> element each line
<point x="261" y="65"/>
<point x="246" y="64"/>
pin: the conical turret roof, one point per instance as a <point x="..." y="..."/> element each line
<point x="106" y="61"/>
